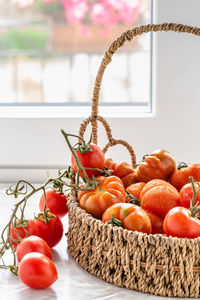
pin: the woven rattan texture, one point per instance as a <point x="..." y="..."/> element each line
<point x="149" y="263"/>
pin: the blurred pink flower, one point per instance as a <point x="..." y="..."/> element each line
<point x="75" y="10"/>
<point x="103" y="14"/>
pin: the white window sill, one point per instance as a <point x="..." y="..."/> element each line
<point x="60" y="112"/>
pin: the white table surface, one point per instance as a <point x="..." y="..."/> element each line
<point x="73" y="282"/>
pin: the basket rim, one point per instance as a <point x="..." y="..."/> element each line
<point x="73" y="203"/>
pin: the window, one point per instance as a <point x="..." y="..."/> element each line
<point x="50" y="51"/>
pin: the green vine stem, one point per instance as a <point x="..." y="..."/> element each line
<point x="90" y="183"/>
<point x="27" y="190"/>
<point x="133" y="199"/>
<point x="6" y="240"/>
<point x="194" y="208"/>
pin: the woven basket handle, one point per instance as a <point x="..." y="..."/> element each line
<point x="126" y="36"/>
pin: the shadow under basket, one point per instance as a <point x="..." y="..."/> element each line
<point x="154" y="264"/>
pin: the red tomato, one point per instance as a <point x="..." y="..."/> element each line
<point x="30" y="229"/>
<point x="33" y="244"/>
<point x="93" y="159"/>
<point x="180" y="223"/>
<point x="186" y="194"/>
<point x="50" y="232"/>
<point x="37" y="271"/>
<point x="55" y="202"/>
<point x="131" y="216"/>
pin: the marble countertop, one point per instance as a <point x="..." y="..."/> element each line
<point x="73" y="282"/>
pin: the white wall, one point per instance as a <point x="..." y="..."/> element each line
<point x="176" y="95"/>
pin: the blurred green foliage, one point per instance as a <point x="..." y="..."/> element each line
<point x="51" y="9"/>
<point x="23" y="39"/>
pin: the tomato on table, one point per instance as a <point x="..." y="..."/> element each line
<point x="50" y="230"/>
<point x="131" y="216"/>
<point x="55" y="202"/>
<point x="186" y="195"/>
<point x="37" y="271"/>
<point x="157" y="165"/>
<point x="179" y="222"/>
<point x="109" y="191"/>
<point x="23" y="230"/>
<point x="33" y="244"/>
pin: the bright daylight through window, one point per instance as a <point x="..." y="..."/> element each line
<point x="50" y="51"/>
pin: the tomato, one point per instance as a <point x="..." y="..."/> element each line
<point x="55" y="202"/>
<point x="32" y="244"/>
<point x="52" y="231"/>
<point x="180" y="223"/>
<point x="29" y="229"/>
<point x="109" y="191"/>
<point x="123" y="170"/>
<point x="132" y="217"/>
<point x="157" y="165"/>
<point x="186" y="194"/>
<point x="180" y="177"/>
<point x="159" y="199"/>
<point x="156" y="223"/>
<point x="135" y="189"/>
<point x="37" y="271"/>
<point x="153" y="183"/>
<point x="93" y="159"/>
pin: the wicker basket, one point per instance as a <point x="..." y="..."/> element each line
<point x="154" y="264"/>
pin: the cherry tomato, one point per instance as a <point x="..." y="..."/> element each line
<point x="110" y="190"/>
<point x="180" y="177"/>
<point x="132" y="217"/>
<point x="93" y="159"/>
<point x="180" y="223"/>
<point x="52" y="231"/>
<point x="186" y="194"/>
<point x="160" y="199"/>
<point x="30" y="229"/>
<point x="55" y="202"/>
<point x="33" y="244"/>
<point x="37" y="271"/>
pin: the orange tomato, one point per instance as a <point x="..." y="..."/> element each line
<point x="180" y="177"/>
<point x="135" y="189"/>
<point x="132" y="217"/>
<point x="156" y="223"/>
<point x="159" y="199"/>
<point x="158" y="165"/>
<point x="153" y="183"/>
<point x="109" y="191"/>
<point x="123" y="170"/>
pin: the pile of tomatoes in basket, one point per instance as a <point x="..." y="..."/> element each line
<point x="155" y="197"/>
